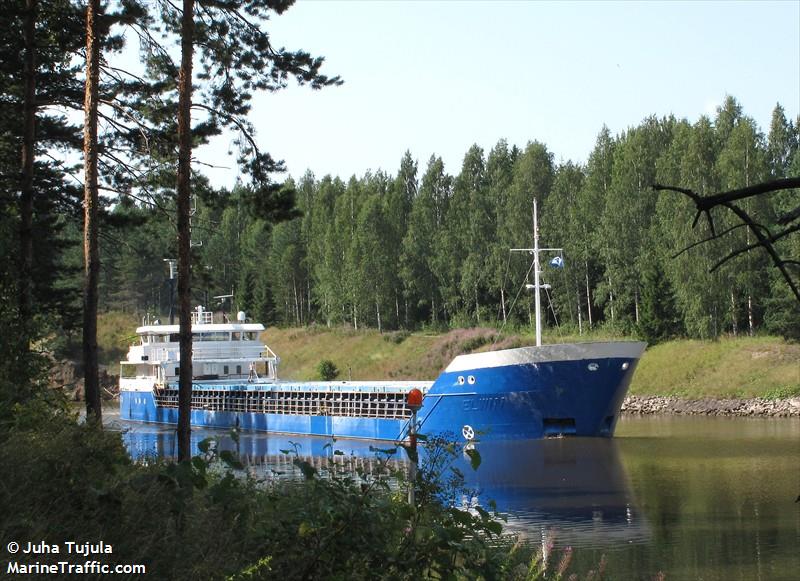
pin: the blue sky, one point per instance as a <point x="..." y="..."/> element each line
<point x="436" y="77"/>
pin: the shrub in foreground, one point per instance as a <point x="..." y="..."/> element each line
<point x="207" y="519"/>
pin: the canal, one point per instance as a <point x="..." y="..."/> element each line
<point x="693" y="497"/>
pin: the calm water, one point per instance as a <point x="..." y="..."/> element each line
<point x="696" y="498"/>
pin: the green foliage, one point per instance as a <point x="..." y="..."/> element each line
<point x="207" y="519"/>
<point x="327" y="370"/>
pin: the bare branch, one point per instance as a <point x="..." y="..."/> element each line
<point x="789" y="216"/>
<point x="744" y="249"/>
<point x="706" y="203"/>
<point x="776" y="259"/>
<point x="709" y="239"/>
<point x="765" y="239"/>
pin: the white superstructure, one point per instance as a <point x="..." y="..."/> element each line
<point x="221" y="352"/>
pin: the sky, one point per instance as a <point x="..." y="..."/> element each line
<point x="437" y="77"/>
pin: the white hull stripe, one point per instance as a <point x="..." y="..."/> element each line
<point x="548" y="353"/>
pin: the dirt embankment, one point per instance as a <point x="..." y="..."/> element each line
<point x="648" y="404"/>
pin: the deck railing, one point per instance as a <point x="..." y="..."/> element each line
<point x="391" y="405"/>
<point x="202" y="352"/>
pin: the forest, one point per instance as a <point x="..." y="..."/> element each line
<point x="425" y="248"/>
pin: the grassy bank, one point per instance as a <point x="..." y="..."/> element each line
<point x="742" y="367"/>
<point x="730" y="367"/>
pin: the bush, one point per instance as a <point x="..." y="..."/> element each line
<point x="327" y="370"/>
<point x="396" y="337"/>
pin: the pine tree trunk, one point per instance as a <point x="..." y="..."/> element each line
<point x="91" y="254"/>
<point x="26" y="186"/>
<point x="184" y="231"/>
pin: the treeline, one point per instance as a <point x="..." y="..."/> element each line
<point x="427" y="248"/>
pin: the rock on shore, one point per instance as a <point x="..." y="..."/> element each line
<point x="644" y="404"/>
<point x="68" y="377"/>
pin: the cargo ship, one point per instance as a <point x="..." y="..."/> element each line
<point x="529" y="392"/>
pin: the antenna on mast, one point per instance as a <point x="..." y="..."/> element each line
<point x="173" y="274"/>
<point x="192" y="212"/>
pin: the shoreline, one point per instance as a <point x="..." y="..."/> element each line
<point x="733" y="407"/>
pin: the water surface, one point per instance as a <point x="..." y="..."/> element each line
<point x="693" y="497"/>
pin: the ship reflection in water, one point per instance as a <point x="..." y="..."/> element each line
<point x="574" y="491"/>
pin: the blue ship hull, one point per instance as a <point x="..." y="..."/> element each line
<point x="513" y="394"/>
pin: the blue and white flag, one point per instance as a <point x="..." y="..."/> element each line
<point x="557" y="262"/>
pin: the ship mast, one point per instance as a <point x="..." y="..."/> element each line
<point x="537" y="271"/>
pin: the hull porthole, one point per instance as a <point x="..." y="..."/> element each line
<point x="468" y="433"/>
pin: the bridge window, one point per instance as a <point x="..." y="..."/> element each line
<point x="211" y="336"/>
